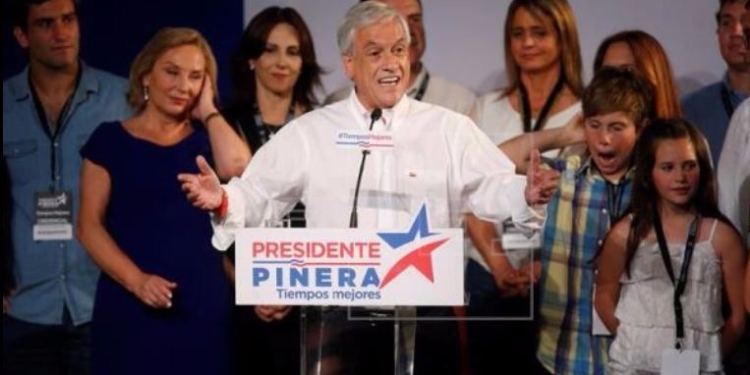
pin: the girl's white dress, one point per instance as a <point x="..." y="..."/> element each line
<point x="646" y="312"/>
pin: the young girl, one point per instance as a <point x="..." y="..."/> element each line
<point x="673" y="193"/>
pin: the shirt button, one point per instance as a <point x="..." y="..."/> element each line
<point x="62" y="277"/>
<point x="56" y="144"/>
<point x="57" y="177"/>
<point x="600" y="242"/>
<point x="62" y="245"/>
<point x="604" y="211"/>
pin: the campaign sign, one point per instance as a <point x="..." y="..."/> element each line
<point x="351" y="267"/>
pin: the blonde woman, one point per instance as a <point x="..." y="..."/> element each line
<point x="163" y="303"/>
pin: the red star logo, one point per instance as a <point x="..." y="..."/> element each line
<point x="421" y="259"/>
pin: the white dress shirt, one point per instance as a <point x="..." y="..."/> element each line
<point x="733" y="173"/>
<point x="440" y="157"/>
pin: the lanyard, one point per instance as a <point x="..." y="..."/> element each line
<point x="681" y="282"/>
<point x="526" y="106"/>
<point x="61" y="120"/>
<point x="728" y="107"/>
<point x="422" y="87"/>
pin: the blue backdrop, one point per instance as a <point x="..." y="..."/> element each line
<point x="112" y="31"/>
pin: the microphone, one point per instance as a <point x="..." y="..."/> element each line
<point x="374" y="116"/>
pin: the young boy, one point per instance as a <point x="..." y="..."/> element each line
<point x="592" y="192"/>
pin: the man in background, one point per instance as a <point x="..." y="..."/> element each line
<point x="49" y="110"/>
<point x="711" y="107"/>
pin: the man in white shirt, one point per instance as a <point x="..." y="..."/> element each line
<point x="438" y="156"/>
<point x="422" y="84"/>
<point x="453" y="166"/>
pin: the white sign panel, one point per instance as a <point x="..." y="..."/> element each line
<point x="417" y="266"/>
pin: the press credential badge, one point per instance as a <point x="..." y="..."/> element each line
<point x="54" y="216"/>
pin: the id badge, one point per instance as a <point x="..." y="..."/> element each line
<point x="680" y="362"/>
<point x="53" y="216"/>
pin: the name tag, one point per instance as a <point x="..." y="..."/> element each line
<point x="680" y="362"/>
<point x="53" y="216"/>
<point x="364" y="140"/>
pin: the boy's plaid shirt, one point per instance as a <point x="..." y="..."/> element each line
<point x="578" y="218"/>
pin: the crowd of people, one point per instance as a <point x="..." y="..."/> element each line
<point x="118" y="193"/>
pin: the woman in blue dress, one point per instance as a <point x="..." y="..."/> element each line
<point x="163" y="304"/>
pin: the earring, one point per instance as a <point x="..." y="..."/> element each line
<point x="146" y="97"/>
<point x="252" y="65"/>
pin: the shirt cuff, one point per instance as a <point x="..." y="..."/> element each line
<point x="225" y="228"/>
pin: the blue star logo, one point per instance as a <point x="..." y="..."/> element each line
<point x="420" y="227"/>
<point x="419" y="258"/>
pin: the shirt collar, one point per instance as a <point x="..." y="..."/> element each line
<point x="87" y="84"/>
<point x="735" y="96"/>
<point x="391" y="116"/>
<point x="589" y="170"/>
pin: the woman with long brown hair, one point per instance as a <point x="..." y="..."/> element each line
<point x="639" y="50"/>
<point x="544" y="84"/>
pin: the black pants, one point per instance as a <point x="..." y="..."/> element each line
<point x="271" y="348"/>
<point x="437" y="348"/>
<point x="36" y="349"/>
<point x="500" y="331"/>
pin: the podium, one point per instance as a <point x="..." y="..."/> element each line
<point x="343" y="340"/>
<point x="357" y="289"/>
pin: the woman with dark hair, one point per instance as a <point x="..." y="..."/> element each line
<point x="275" y="75"/>
<point x="8" y="283"/>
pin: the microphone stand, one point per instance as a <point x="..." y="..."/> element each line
<point x="374" y="116"/>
